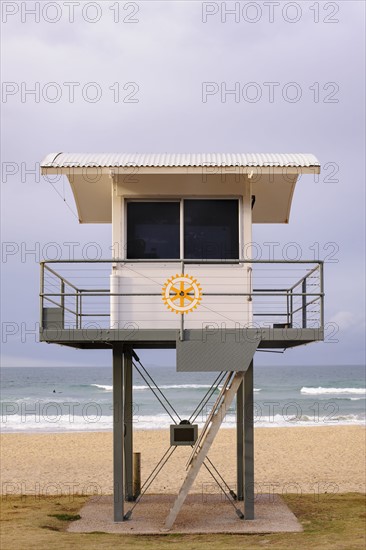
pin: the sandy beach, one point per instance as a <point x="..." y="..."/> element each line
<point x="287" y="460"/>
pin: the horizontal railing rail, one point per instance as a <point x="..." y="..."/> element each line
<point x="277" y="288"/>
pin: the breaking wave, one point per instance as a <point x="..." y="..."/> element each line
<point x="334" y="391"/>
<point x="107" y="387"/>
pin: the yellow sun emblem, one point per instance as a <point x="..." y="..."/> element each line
<point x="181" y="293"/>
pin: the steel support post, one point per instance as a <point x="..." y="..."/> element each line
<point x="248" y="444"/>
<point x="128" y="439"/>
<point x="240" y="442"/>
<point x="118" y="432"/>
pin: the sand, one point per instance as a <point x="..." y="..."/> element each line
<point x="197" y="516"/>
<point x="287" y="460"/>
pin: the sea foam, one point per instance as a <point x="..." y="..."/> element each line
<point x="334" y="391"/>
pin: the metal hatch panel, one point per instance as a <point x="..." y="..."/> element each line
<point x="224" y="350"/>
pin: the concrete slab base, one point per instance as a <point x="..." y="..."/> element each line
<point x="200" y="514"/>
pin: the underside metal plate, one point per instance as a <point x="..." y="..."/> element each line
<point x="222" y="350"/>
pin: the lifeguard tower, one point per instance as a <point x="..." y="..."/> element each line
<point x="184" y="274"/>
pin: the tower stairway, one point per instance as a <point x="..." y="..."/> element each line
<point x="204" y="442"/>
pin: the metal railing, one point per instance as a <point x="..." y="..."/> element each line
<point x="77" y="294"/>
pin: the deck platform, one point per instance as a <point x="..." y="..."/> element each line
<point x="269" y="338"/>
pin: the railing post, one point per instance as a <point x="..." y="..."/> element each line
<point x="321" y="267"/>
<point x="292" y="307"/>
<point x="41" y="301"/>
<point x="62" y="301"/>
<point x="81" y="311"/>
<point x="77" y="309"/>
<point x="304" y="312"/>
<point x="250" y="273"/>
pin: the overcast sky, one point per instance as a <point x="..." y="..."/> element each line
<point x="130" y="77"/>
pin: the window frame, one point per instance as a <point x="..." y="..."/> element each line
<point x="181" y="200"/>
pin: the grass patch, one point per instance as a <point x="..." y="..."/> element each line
<point x="329" y="521"/>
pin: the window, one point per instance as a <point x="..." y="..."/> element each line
<point x="210" y="229"/>
<point x="153" y="230"/>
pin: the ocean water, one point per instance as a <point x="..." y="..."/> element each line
<point x="80" y="399"/>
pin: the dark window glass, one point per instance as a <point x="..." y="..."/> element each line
<point x="153" y="230"/>
<point x="184" y="434"/>
<point x="211" y="229"/>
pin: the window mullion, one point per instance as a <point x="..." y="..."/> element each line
<point x="181" y="226"/>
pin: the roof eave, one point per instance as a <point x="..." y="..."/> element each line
<point x="253" y="171"/>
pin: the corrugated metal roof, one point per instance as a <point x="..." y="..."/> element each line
<point x="112" y="160"/>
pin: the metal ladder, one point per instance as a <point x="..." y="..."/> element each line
<point x="204" y="442"/>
